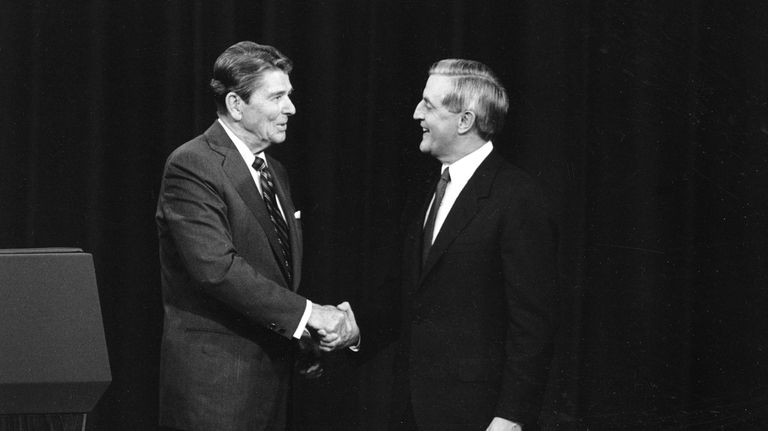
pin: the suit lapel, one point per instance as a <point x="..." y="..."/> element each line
<point x="467" y="205"/>
<point x="240" y="176"/>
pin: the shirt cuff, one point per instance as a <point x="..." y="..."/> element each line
<point x="356" y="347"/>
<point x="303" y="322"/>
<point x="515" y="426"/>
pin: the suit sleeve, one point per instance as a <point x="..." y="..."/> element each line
<point x="528" y="255"/>
<point x="195" y="215"/>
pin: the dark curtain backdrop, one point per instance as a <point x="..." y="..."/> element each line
<point x="646" y="120"/>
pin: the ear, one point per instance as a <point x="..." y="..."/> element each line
<point x="466" y="122"/>
<point x="233" y="104"/>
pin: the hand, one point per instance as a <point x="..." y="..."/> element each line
<point x="335" y="327"/>
<point x="327" y="322"/>
<point x="501" y="424"/>
<point x="353" y="328"/>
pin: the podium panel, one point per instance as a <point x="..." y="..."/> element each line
<point x="53" y="355"/>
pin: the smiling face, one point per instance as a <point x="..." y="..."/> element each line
<point x="439" y="126"/>
<point x="264" y="118"/>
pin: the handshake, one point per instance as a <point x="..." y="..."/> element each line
<point x="333" y="328"/>
<point x="329" y="328"/>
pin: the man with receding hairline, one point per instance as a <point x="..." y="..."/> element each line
<point x="230" y="254"/>
<point x="478" y="271"/>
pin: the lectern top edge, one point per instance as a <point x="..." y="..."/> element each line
<point x="47" y="250"/>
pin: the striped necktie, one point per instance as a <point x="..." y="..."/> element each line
<point x="281" y="228"/>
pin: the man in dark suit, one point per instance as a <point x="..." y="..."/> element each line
<point x="478" y="271"/>
<point x="230" y="253"/>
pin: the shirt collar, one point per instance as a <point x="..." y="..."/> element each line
<point x="465" y="167"/>
<point x="247" y="155"/>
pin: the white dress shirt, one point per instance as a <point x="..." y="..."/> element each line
<point x="249" y="158"/>
<point x="461" y="171"/>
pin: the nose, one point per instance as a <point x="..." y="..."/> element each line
<point x="417" y="113"/>
<point x="289" y="109"/>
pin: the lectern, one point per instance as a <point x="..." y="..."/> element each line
<point x="53" y="356"/>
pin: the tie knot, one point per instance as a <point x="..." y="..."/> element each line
<point x="259" y="164"/>
<point x="446" y="176"/>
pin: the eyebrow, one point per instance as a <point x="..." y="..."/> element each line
<point x="276" y="93"/>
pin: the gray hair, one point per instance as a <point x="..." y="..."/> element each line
<point x="475" y="88"/>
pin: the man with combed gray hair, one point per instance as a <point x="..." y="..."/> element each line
<point x="478" y="273"/>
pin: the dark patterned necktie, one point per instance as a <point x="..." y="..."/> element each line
<point x="281" y="228"/>
<point x="429" y="227"/>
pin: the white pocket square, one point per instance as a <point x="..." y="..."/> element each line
<point x="297" y="215"/>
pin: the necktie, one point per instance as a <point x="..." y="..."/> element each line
<point x="429" y="227"/>
<point x="281" y="228"/>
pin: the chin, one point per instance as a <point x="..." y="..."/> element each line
<point x="424" y="147"/>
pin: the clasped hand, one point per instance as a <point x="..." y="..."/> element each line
<point x="335" y="327"/>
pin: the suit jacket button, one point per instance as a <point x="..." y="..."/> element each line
<point x="272" y="326"/>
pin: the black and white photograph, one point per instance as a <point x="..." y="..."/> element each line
<point x="363" y="215"/>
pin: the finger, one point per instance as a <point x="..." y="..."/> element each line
<point x="330" y="337"/>
<point x="314" y="372"/>
<point x="331" y="344"/>
<point x="344" y="306"/>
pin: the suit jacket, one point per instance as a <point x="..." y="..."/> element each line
<point x="478" y="316"/>
<point x="230" y="314"/>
